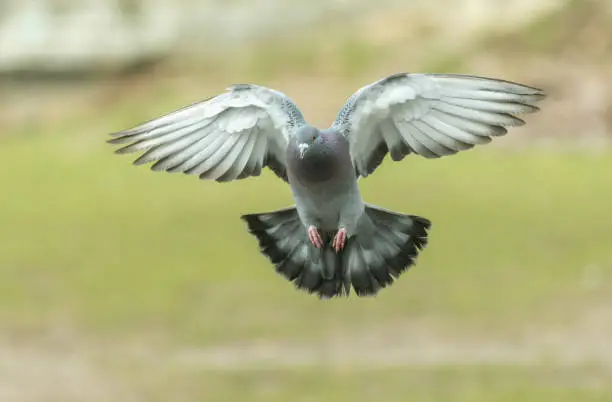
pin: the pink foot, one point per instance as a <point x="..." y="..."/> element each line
<point x="315" y="237"/>
<point x="339" y="240"/>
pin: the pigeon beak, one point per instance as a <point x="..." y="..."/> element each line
<point x="302" y="150"/>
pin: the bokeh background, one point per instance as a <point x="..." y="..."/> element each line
<point x="120" y="284"/>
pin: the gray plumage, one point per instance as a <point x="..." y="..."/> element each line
<point x="237" y="133"/>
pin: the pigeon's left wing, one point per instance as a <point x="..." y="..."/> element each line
<point x="228" y="137"/>
<point x="432" y="115"/>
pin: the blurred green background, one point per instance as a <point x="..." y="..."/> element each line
<point x="120" y="284"/>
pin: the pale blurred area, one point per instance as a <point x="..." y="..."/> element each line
<point x="120" y="284"/>
<point x="562" y="47"/>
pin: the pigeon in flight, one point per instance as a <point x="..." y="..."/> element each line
<point x="331" y="240"/>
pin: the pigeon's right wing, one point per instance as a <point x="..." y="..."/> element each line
<point x="431" y="115"/>
<point x="228" y="137"/>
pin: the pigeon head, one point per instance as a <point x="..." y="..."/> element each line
<point x="318" y="155"/>
<point x="307" y="137"/>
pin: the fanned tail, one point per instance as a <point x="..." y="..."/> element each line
<point x="385" y="245"/>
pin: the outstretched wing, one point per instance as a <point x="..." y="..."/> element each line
<point x="432" y="115"/>
<point x="230" y="136"/>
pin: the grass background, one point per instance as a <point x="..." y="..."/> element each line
<point x="113" y="251"/>
<point x="123" y="247"/>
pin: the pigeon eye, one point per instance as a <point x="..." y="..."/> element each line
<point x="314" y="137"/>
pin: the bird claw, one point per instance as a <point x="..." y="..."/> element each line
<point x="339" y="240"/>
<point x="315" y="237"/>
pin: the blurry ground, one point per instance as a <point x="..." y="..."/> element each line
<point x="114" y="286"/>
<point x="577" y="356"/>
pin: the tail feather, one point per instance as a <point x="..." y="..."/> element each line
<point x="388" y="247"/>
<point x="385" y="245"/>
<point x="283" y="239"/>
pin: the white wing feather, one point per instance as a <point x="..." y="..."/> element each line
<point x="432" y="115"/>
<point x="228" y="137"/>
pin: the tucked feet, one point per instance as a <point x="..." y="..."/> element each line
<point x="339" y="240"/>
<point x="315" y="237"/>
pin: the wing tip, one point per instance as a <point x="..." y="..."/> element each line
<point x="526" y="89"/>
<point x="115" y="134"/>
<point x="124" y="150"/>
<point x="117" y="140"/>
<point x="140" y="161"/>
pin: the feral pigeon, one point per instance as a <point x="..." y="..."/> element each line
<point x="331" y="240"/>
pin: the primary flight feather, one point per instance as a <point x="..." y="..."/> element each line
<point x="331" y="240"/>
